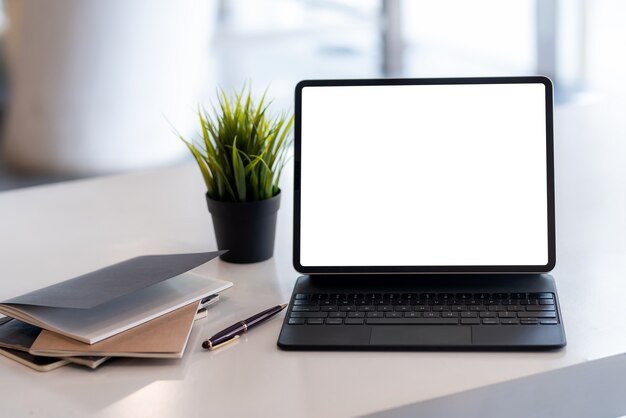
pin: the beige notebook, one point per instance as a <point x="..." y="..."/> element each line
<point x="163" y="337"/>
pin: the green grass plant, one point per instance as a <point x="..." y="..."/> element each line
<point x="243" y="149"/>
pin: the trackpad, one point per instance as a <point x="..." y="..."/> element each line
<point x="421" y="335"/>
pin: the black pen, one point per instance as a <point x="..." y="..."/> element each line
<point x="233" y="332"/>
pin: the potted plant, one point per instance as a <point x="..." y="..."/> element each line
<point x="241" y="155"/>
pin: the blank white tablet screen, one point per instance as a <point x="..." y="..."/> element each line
<point x="424" y="175"/>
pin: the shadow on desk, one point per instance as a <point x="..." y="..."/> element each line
<point x="591" y="389"/>
<point x="111" y="386"/>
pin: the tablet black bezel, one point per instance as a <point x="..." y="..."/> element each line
<point x="427" y="269"/>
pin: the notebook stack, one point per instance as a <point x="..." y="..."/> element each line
<point x="142" y="307"/>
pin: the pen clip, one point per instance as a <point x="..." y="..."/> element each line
<point x="215" y="347"/>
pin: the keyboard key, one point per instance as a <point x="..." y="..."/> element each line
<point x="356" y="315"/>
<point x="517" y="296"/>
<point x="528" y="321"/>
<point x="450" y="315"/>
<point x="412" y="315"/>
<point x="347" y="308"/>
<point x="393" y="315"/>
<point x="431" y="315"/>
<point x="546" y="301"/>
<point x="463" y="295"/>
<point x="356" y="296"/>
<point x="402" y="308"/>
<point x="412" y="321"/>
<point x="296" y="321"/>
<point x="368" y="308"/>
<point x="543" y="295"/>
<point x="469" y="314"/>
<point x="337" y="315"/>
<point x="548" y="322"/>
<point x="308" y="315"/>
<point x="509" y="321"/>
<point x="537" y="308"/>
<point x="305" y="309"/>
<point x="550" y="314"/>
<point x="304" y="302"/>
<point x="490" y="321"/>
<point x="362" y="302"/>
<point x="421" y="308"/>
<point x="507" y="315"/>
<point x="385" y="308"/>
<point x="515" y="308"/>
<point x="409" y="296"/>
<point x="315" y="321"/>
<point x="373" y="296"/>
<point x="328" y="308"/>
<point x="427" y="295"/>
<point x="445" y="296"/>
<point x="301" y="296"/>
<point x="334" y="321"/>
<point x="354" y="321"/>
<point x="497" y="308"/>
<point x="470" y="321"/>
<point x="500" y="296"/>
<point x="391" y="296"/>
<point x="375" y="315"/>
<point x="488" y="315"/>
<point x="319" y="296"/>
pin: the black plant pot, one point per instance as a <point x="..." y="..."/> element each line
<point x="246" y="229"/>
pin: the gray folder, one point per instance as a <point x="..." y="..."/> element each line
<point x="110" y="300"/>
<point x="103" y="285"/>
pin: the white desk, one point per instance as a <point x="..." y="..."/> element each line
<point x="55" y="232"/>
